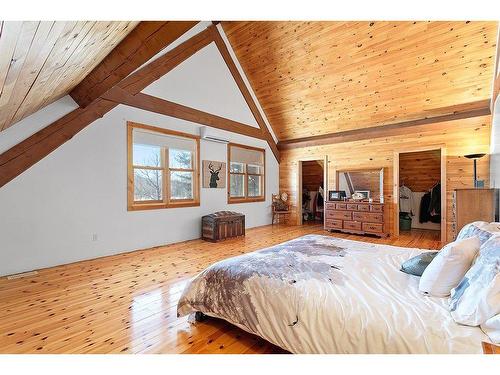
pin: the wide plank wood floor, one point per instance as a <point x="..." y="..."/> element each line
<point x="127" y="303"/>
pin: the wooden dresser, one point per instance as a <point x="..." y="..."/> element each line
<point x="355" y="217"/>
<point x="470" y="205"/>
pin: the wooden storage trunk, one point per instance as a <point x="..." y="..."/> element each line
<point x="221" y="225"/>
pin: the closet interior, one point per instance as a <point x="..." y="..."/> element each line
<point x="420" y="193"/>
<point x="312" y="191"/>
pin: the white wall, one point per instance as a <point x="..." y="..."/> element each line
<point x="50" y="213"/>
<point x="37" y="121"/>
<point x="197" y="91"/>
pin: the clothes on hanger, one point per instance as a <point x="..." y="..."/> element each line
<point x="435" y="204"/>
<point x="320" y="197"/>
<point x="425" y="202"/>
<point x="430" y="205"/>
<point x="405" y="199"/>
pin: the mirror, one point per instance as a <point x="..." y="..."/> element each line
<point x="362" y="184"/>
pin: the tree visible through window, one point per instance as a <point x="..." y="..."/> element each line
<point x="246" y="173"/>
<point x="164" y="168"/>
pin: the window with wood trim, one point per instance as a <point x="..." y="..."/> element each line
<point x="163" y="168"/>
<point x="246" y="173"/>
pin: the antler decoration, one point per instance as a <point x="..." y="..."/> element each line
<point x="211" y="168"/>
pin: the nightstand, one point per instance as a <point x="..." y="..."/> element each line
<point x="490" y="348"/>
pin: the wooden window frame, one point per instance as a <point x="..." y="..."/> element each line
<point x="167" y="202"/>
<point x="246" y="198"/>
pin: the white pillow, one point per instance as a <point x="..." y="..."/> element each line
<point x="482" y="229"/>
<point x="449" y="267"/>
<point x="477" y="297"/>
<point x="492" y="328"/>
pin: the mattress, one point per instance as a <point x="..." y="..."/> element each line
<point x="320" y="294"/>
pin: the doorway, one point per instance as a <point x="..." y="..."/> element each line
<point x="311" y="192"/>
<point x="420" y="193"/>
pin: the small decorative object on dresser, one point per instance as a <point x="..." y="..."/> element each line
<point x="221" y="225"/>
<point x="355" y="217"/>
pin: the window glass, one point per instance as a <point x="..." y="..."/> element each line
<point x="180" y="159"/>
<point x="254" y="186"/>
<point x="255" y="169"/>
<point x="181" y="185"/>
<point x="148" y="184"/>
<point x="237" y="188"/>
<point x="146" y="155"/>
<point x="237" y="167"/>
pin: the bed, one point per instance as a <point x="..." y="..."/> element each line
<point x="320" y="294"/>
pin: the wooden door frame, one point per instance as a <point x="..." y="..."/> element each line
<point x="299" y="182"/>
<point x="395" y="174"/>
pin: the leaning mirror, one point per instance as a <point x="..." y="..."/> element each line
<point x="359" y="185"/>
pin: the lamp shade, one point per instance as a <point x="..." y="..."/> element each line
<point x="474" y="156"/>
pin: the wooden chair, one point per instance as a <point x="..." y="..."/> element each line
<point x="280" y="210"/>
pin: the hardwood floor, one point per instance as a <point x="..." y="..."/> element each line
<point x="127" y="303"/>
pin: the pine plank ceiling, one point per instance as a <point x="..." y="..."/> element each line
<point x="315" y="78"/>
<point x="43" y="61"/>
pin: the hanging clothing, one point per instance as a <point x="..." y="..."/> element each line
<point x="425" y="202"/>
<point x="320" y="198"/>
<point x="405" y="199"/>
<point x="435" y="204"/>
<point x="430" y="205"/>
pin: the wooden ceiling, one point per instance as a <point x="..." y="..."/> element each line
<point x="316" y="78"/>
<point x="42" y="61"/>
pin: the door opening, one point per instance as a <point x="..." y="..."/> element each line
<point x="312" y="192"/>
<point x="420" y="194"/>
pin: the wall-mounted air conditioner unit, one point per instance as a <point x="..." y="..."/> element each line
<point x="205" y="134"/>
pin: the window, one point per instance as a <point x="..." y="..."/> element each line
<point x="246" y="174"/>
<point x="162" y="168"/>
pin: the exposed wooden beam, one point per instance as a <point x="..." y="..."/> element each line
<point x="20" y="157"/>
<point x="165" y="107"/>
<point x="141" y="44"/>
<point x="381" y="131"/>
<point x="25" y="154"/>
<point x="221" y="45"/>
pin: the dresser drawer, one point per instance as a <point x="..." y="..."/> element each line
<point x="368" y="216"/>
<point x="352" y="206"/>
<point x="340" y="206"/>
<point x="355" y="225"/>
<point x="330" y="206"/>
<point x="372" y="227"/>
<point x="333" y="224"/>
<point x="376" y="208"/>
<point x="363" y="207"/>
<point x="344" y="215"/>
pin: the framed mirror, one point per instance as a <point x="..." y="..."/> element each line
<point x="360" y="184"/>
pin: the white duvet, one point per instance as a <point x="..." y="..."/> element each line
<point x="352" y="299"/>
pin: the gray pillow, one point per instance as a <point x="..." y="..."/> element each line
<point x="417" y="265"/>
